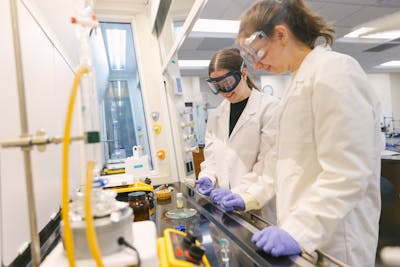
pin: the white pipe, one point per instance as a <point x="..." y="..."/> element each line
<point x="37" y="141"/>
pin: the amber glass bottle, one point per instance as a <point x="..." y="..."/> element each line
<point x="140" y="206"/>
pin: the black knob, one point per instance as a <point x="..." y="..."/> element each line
<point x="196" y="252"/>
<point x="189" y="239"/>
<point x="147" y="181"/>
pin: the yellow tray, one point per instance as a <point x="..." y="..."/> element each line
<point x="166" y="253"/>
<point x="133" y="188"/>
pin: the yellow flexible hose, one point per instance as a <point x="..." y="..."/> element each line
<point x="90" y="232"/>
<point x="68" y="239"/>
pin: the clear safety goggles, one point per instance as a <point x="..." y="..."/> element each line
<point x="253" y="55"/>
<point x="225" y="83"/>
<point x="252" y="49"/>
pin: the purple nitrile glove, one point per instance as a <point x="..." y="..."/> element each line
<point x="232" y="202"/>
<point x="275" y="241"/>
<point x="217" y="194"/>
<point x="204" y="185"/>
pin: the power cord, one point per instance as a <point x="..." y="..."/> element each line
<point x="122" y="241"/>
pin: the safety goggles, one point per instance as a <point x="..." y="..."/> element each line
<point x="252" y="49"/>
<point x="253" y="55"/>
<point x="225" y="83"/>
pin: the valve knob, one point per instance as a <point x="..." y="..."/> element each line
<point x="196" y="252"/>
<point x="161" y="154"/>
<point x="157" y="128"/>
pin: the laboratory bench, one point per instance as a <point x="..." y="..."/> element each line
<point x="389" y="224"/>
<point x="225" y="236"/>
<point x="390" y="169"/>
<point x="215" y="228"/>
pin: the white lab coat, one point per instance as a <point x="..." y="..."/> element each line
<point x="328" y="151"/>
<point x="240" y="156"/>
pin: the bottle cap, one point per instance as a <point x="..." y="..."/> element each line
<point x="136" y="195"/>
<point x="179" y="194"/>
<point x="181" y="228"/>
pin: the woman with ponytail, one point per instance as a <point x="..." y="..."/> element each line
<point x="327" y="176"/>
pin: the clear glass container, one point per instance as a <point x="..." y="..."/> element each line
<point x="103" y="203"/>
<point x="179" y="201"/>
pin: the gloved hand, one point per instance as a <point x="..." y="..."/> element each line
<point x="204" y="185"/>
<point x="232" y="202"/>
<point x="217" y="195"/>
<point x="275" y="241"/>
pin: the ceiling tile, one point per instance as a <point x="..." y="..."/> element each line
<point x="336" y="12"/>
<point x="215" y="44"/>
<point x="233" y="12"/>
<point x="365" y="14"/>
<point x="341" y="31"/>
<point x="197" y="54"/>
<point x="388" y="3"/>
<point x="314" y="5"/>
<point x="214" y="9"/>
<point x="191" y="44"/>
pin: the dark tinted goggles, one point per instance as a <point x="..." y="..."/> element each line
<point x="225" y="83"/>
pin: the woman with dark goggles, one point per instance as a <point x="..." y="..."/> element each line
<point x="225" y="83"/>
<point x="235" y="132"/>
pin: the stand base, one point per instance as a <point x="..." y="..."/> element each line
<point x="144" y="240"/>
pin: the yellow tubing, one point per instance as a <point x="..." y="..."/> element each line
<point x="68" y="239"/>
<point x="90" y="232"/>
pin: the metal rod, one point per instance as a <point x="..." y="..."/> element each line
<point x="19" y="69"/>
<point x="252" y="214"/>
<point x="32" y="141"/>
<point x="35" y="243"/>
<point x="332" y="259"/>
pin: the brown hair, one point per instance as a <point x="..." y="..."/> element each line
<point x="306" y="25"/>
<point x="231" y="60"/>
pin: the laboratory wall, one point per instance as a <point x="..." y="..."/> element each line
<point x="395" y="90"/>
<point x="382" y="85"/>
<point x="48" y="79"/>
<point x="387" y="87"/>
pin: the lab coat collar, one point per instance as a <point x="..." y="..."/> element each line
<point x="304" y="69"/>
<point x="315" y="54"/>
<point x="302" y="72"/>
<point x="251" y="106"/>
<point x="250" y="109"/>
